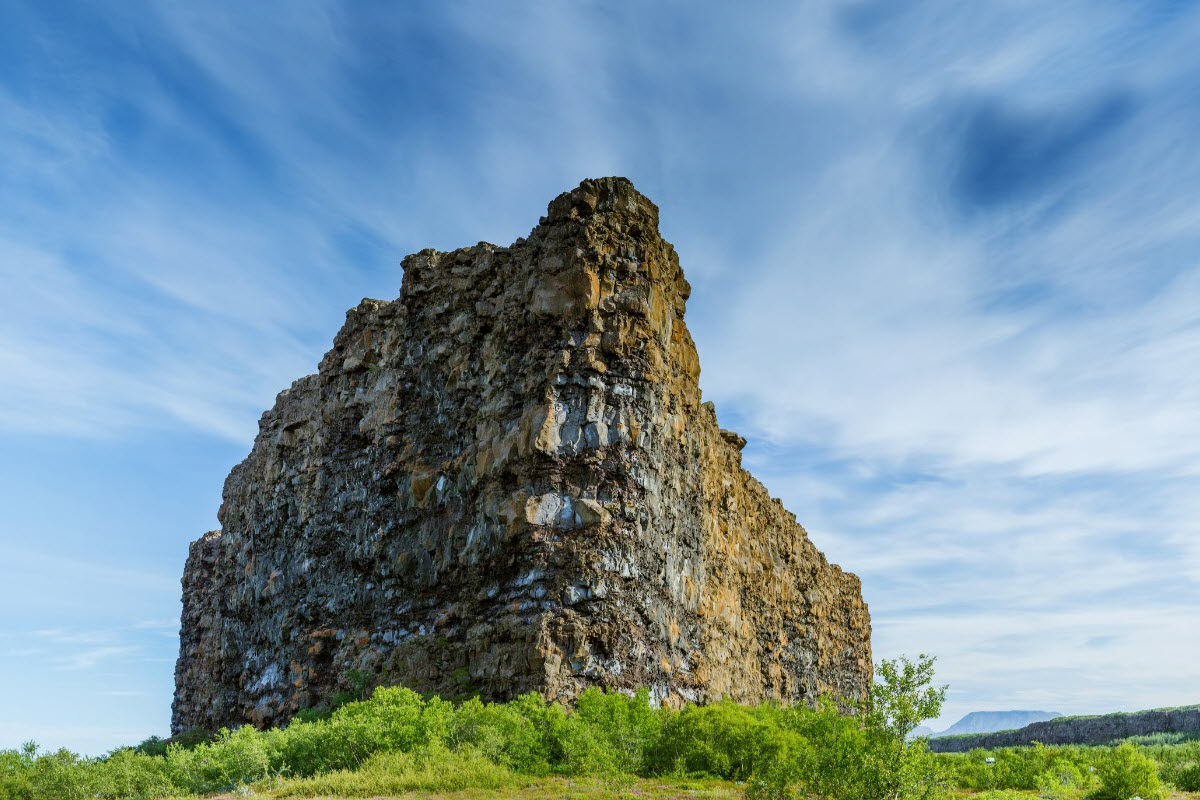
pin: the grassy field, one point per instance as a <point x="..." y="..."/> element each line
<point x="590" y="788"/>
<point x="1014" y="794"/>
<point x="629" y="788"/>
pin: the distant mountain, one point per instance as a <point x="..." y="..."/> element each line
<point x="993" y="721"/>
<point x="922" y="731"/>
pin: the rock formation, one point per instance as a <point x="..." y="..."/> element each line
<point x="503" y="481"/>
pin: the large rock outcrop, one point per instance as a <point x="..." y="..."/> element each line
<point x="503" y="481"/>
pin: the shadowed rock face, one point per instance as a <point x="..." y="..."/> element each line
<point x="505" y="481"/>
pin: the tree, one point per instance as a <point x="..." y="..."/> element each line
<point x="865" y="756"/>
<point x="902" y="697"/>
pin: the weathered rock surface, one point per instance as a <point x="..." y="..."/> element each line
<point x="503" y="481"/>
<point x="1101" y="729"/>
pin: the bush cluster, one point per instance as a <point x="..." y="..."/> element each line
<point x="398" y="741"/>
<point x="1178" y="764"/>
<point x="1071" y="772"/>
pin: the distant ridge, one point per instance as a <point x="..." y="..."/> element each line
<point x="979" y="722"/>
<point x="993" y="721"/>
<point x="1100" y="729"/>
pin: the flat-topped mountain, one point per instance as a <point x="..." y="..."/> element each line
<point x="505" y="481"/>
<point x="993" y="721"/>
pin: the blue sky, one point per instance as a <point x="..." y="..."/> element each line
<point x="944" y="268"/>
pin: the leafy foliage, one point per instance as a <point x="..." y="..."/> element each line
<point x="1126" y="773"/>
<point x="1188" y="778"/>
<point x="398" y="741"/>
<point x="862" y="757"/>
<point x="1062" y="781"/>
<point x="1075" y="771"/>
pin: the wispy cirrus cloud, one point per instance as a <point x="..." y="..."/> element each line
<point x="87" y="649"/>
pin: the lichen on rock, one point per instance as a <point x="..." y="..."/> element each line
<point x="506" y="481"/>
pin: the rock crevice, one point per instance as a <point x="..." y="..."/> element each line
<point x="505" y="481"/>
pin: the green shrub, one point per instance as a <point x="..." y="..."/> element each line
<point x="155" y="746"/>
<point x="306" y="748"/>
<point x="1161" y="739"/>
<point x="393" y="719"/>
<point x="623" y="727"/>
<point x="863" y="757"/>
<point x="1175" y="761"/>
<point x="511" y="734"/>
<point x="1188" y="778"/>
<point x="1028" y="768"/>
<point x="233" y="759"/>
<point x="433" y="769"/>
<point x="1063" y="781"/>
<point x="1126" y="773"/>
<point x="606" y="733"/>
<point x="61" y="774"/>
<point x="15" y="782"/>
<point x="724" y="740"/>
<point x="127" y="773"/>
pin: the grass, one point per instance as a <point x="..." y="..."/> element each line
<point x="621" y="787"/>
<point x="624" y="787"/>
<point x="396" y="773"/>
<point x="1023" y="794"/>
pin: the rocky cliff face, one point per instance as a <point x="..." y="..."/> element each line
<point x="503" y="481"/>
